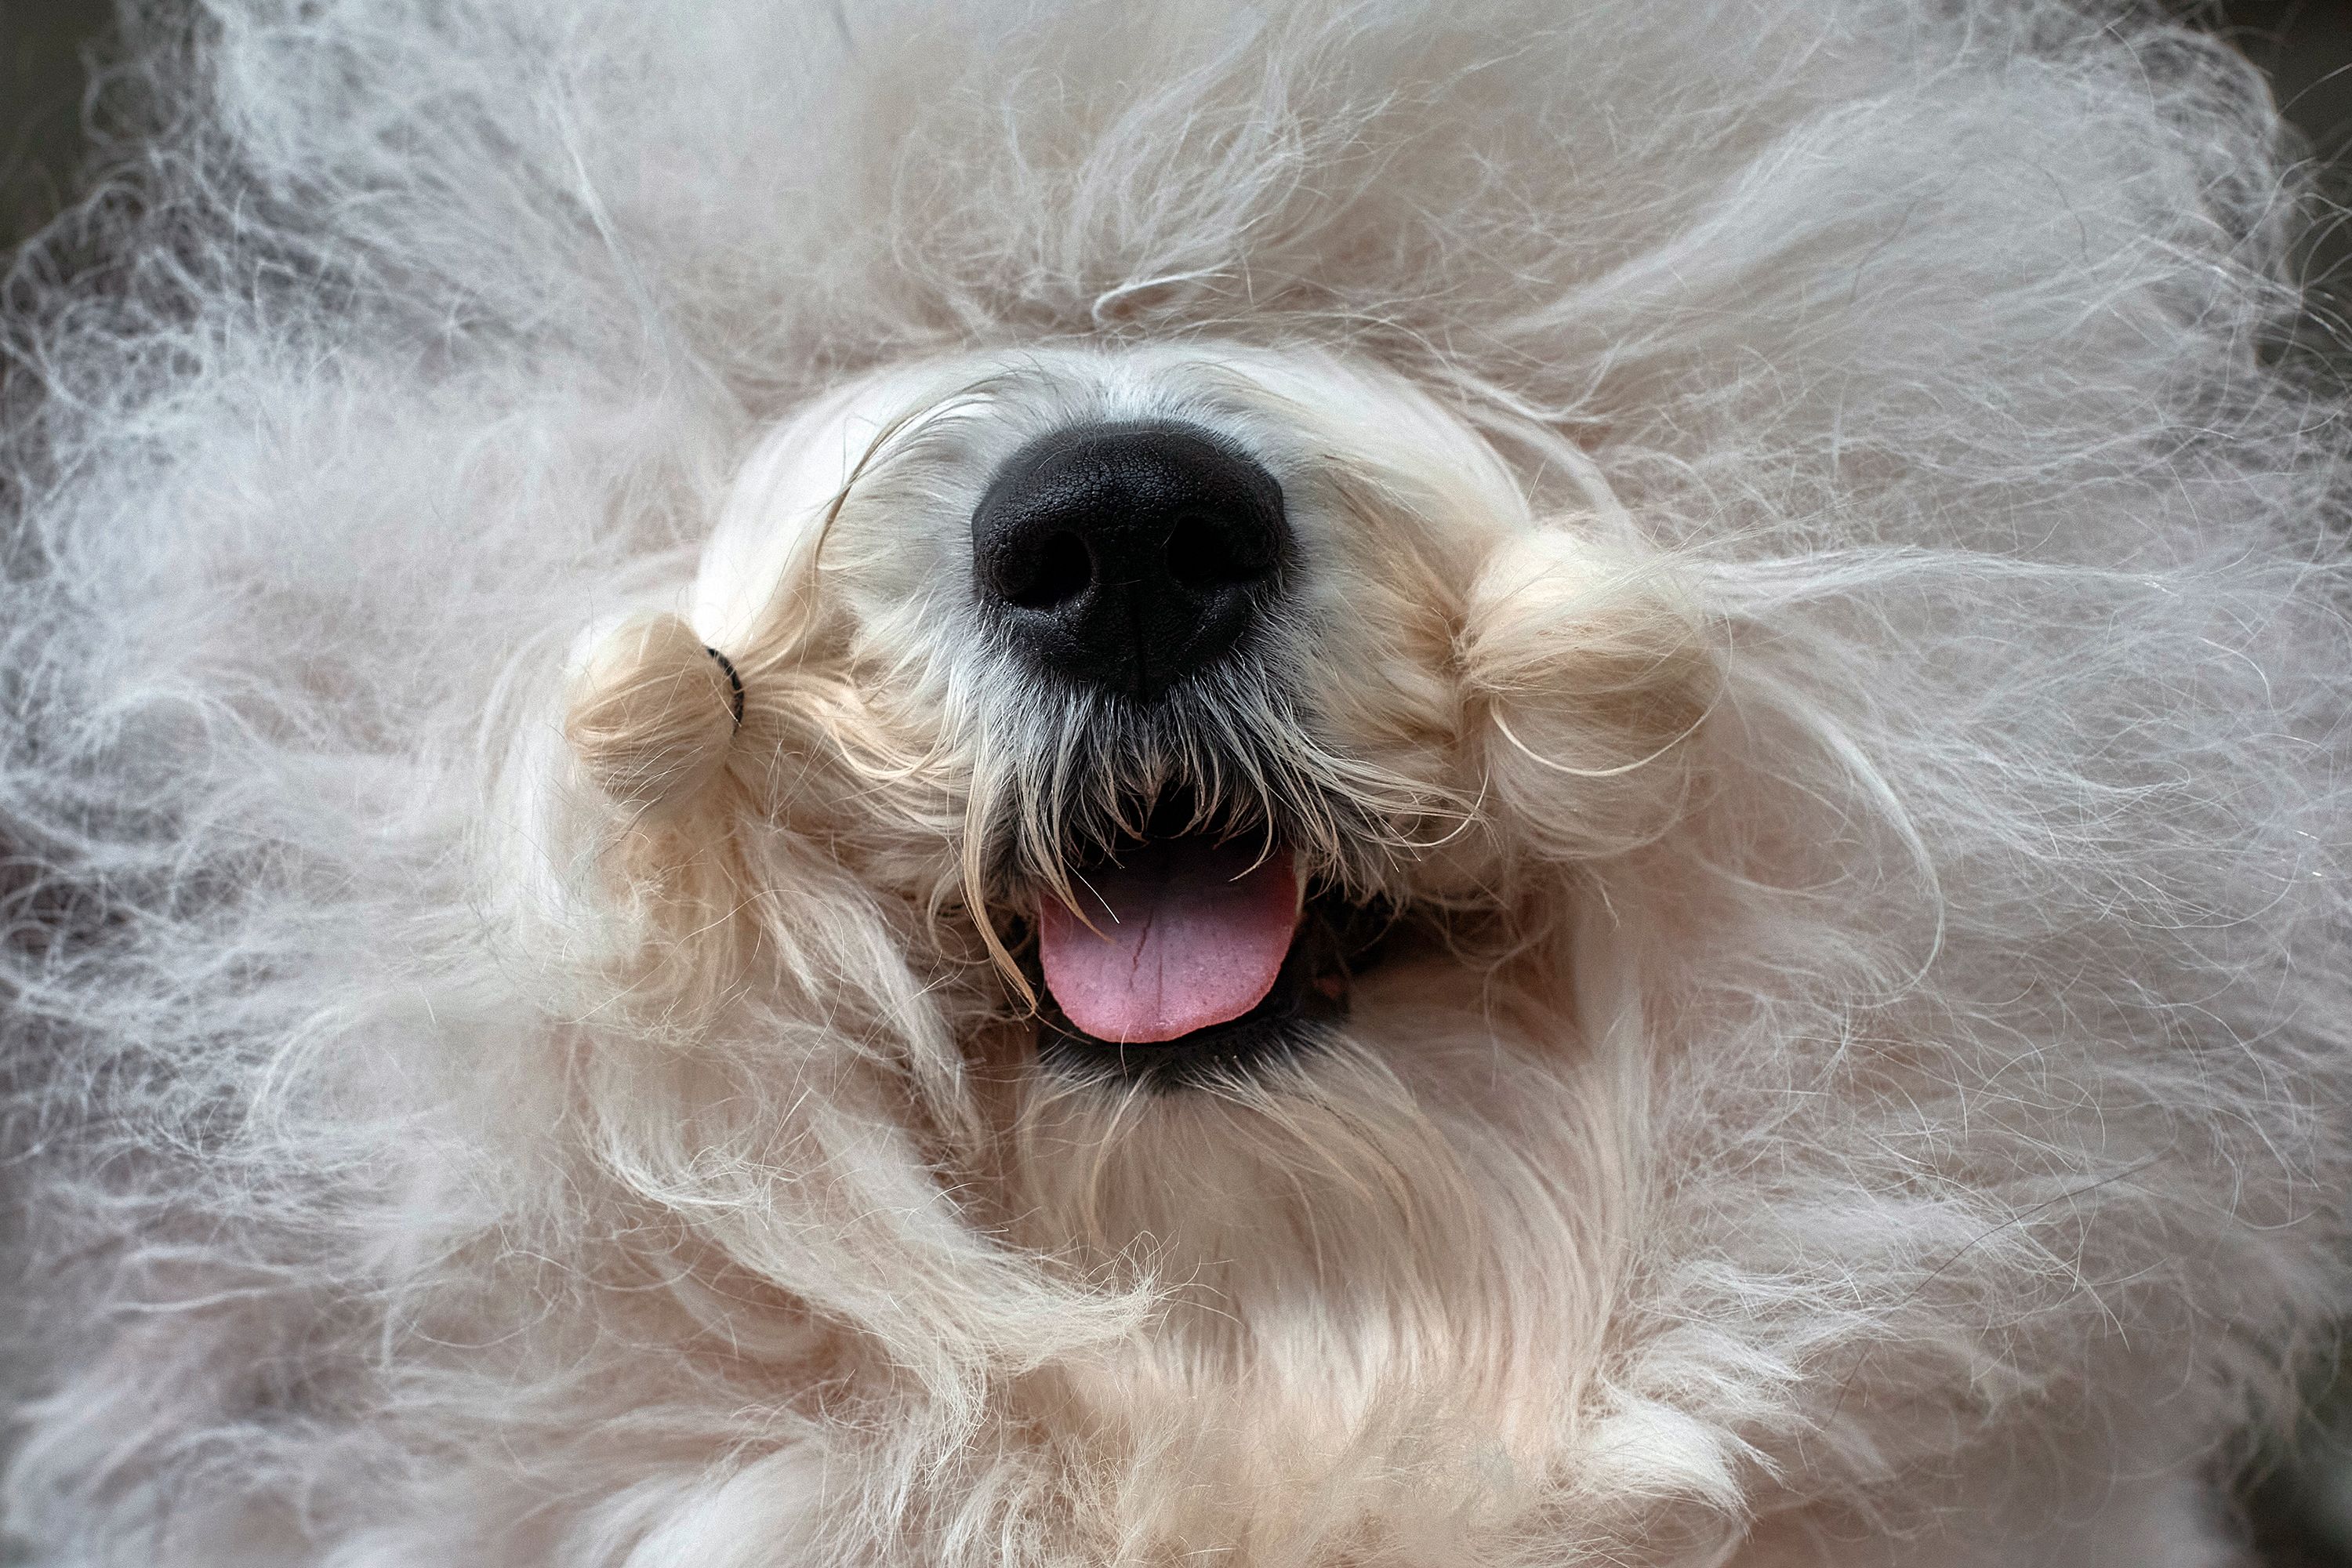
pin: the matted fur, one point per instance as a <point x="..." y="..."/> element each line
<point x="1823" y="604"/>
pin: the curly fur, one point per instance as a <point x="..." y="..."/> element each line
<point x="1826" y="618"/>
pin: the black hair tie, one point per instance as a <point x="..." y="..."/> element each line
<point x="734" y="681"/>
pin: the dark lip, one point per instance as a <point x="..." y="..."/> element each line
<point x="1337" y="941"/>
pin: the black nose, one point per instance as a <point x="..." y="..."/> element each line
<point x="1129" y="556"/>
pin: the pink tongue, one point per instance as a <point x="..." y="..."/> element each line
<point x="1186" y="933"/>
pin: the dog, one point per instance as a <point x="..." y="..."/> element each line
<point x="1318" y="784"/>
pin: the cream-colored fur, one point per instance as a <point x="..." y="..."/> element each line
<point x="1816" y="613"/>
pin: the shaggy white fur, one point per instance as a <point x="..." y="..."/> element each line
<point x="1820" y="615"/>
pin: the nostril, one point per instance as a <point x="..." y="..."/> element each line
<point x="1202" y="554"/>
<point x="1056" y="571"/>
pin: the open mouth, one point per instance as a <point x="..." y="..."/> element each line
<point x="1183" y="953"/>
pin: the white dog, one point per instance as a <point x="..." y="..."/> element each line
<point x="1380" y="785"/>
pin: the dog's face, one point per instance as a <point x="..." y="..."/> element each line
<point x="1197" y="684"/>
<point x="1224" y="740"/>
<point x="1276" y="634"/>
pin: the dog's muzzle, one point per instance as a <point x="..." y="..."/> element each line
<point x="1126" y="557"/>
<point x="1123" y="560"/>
